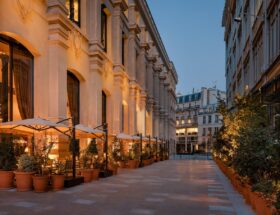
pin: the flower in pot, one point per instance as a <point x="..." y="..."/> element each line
<point x="57" y="177"/>
<point x="27" y="166"/>
<point x="113" y="165"/>
<point x="7" y="164"/>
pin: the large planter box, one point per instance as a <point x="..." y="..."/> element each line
<point x="259" y="204"/>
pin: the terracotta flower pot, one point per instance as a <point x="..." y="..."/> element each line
<point x="6" y="179"/>
<point x="132" y="164"/>
<point x="95" y="174"/>
<point x="87" y="174"/>
<point x="57" y="182"/>
<point x="114" y="170"/>
<point x="40" y="183"/>
<point x="121" y="164"/>
<point x="24" y="181"/>
<point x="146" y="162"/>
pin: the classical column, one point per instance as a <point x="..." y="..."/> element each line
<point x="94" y="14"/>
<point x="57" y="50"/>
<point x="156" y="86"/>
<point x="141" y="115"/>
<point x="133" y="30"/>
<point x="117" y="103"/>
<point x="119" y="6"/>
<point x="57" y="70"/>
<point x="132" y="118"/>
<point x="94" y="87"/>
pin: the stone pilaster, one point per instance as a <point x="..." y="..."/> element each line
<point x="133" y="30"/>
<point x="117" y="102"/>
<point x="94" y="13"/>
<point x="132" y="119"/>
<point x="57" y="50"/>
<point x="119" y="7"/>
<point x="150" y="76"/>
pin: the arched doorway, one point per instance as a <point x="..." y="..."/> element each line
<point x="73" y="92"/>
<point x="16" y="81"/>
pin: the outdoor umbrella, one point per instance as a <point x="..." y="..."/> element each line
<point x="83" y="131"/>
<point x="125" y="136"/>
<point x="34" y="125"/>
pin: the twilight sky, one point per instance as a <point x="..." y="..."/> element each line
<point x="193" y="37"/>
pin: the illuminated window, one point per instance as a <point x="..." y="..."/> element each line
<point x="16" y="81"/>
<point x="74" y="10"/>
<point x="182" y="121"/>
<point x="177" y="122"/>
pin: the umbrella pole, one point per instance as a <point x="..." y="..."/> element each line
<point x="141" y="159"/>
<point x="74" y="152"/>
<point x="156" y="148"/>
<point x="106" y="146"/>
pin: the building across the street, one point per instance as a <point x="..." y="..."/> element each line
<point x="97" y="61"/>
<point x="252" y="38"/>
<point x="197" y="120"/>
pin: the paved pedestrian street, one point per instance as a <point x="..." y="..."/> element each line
<point x="173" y="187"/>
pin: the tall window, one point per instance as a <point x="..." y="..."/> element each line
<point x="104" y="108"/>
<point x="74" y="11"/>
<point x="104" y="27"/>
<point x="216" y="118"/>
<point x="73" y="91"/>
<point x="16" y="81"/>
<point x="204" y="119"/>
<point x="209" y="119"/>
<point x="258" y="57"/>
<point x="274" y="34"/>
<point x="123" y="48"/>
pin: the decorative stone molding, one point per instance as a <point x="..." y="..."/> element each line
<point x="121" y="3"/>
<point x="75" y="39"/>
<point x="25" y="8"/>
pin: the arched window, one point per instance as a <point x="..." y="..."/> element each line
<point x="16" y="81"/>
<point x="73" y="91"/>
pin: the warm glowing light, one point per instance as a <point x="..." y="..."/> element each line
<point x="26" y="150"/>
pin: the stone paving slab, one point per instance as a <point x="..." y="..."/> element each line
<point x="174" y="187"/>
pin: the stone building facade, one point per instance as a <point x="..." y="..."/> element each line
<point x="252" y="38"/>
<point x="95" y="60"/>
<point x="197" y="120"/>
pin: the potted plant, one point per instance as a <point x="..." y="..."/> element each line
<point x="57" y="178"/>
<point x="41" y="178"/>
<point x="117" y="153"/>
<point x="133" y="161"/>
<point x="86" y="171"/>
<point x="7" y="164"/>
<point x="27" y="166"/>
<point x="145" y="158"/>
<point x="96" y="169"/>
<point x="113" y="166"/>
<point x="89" y="156"/>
